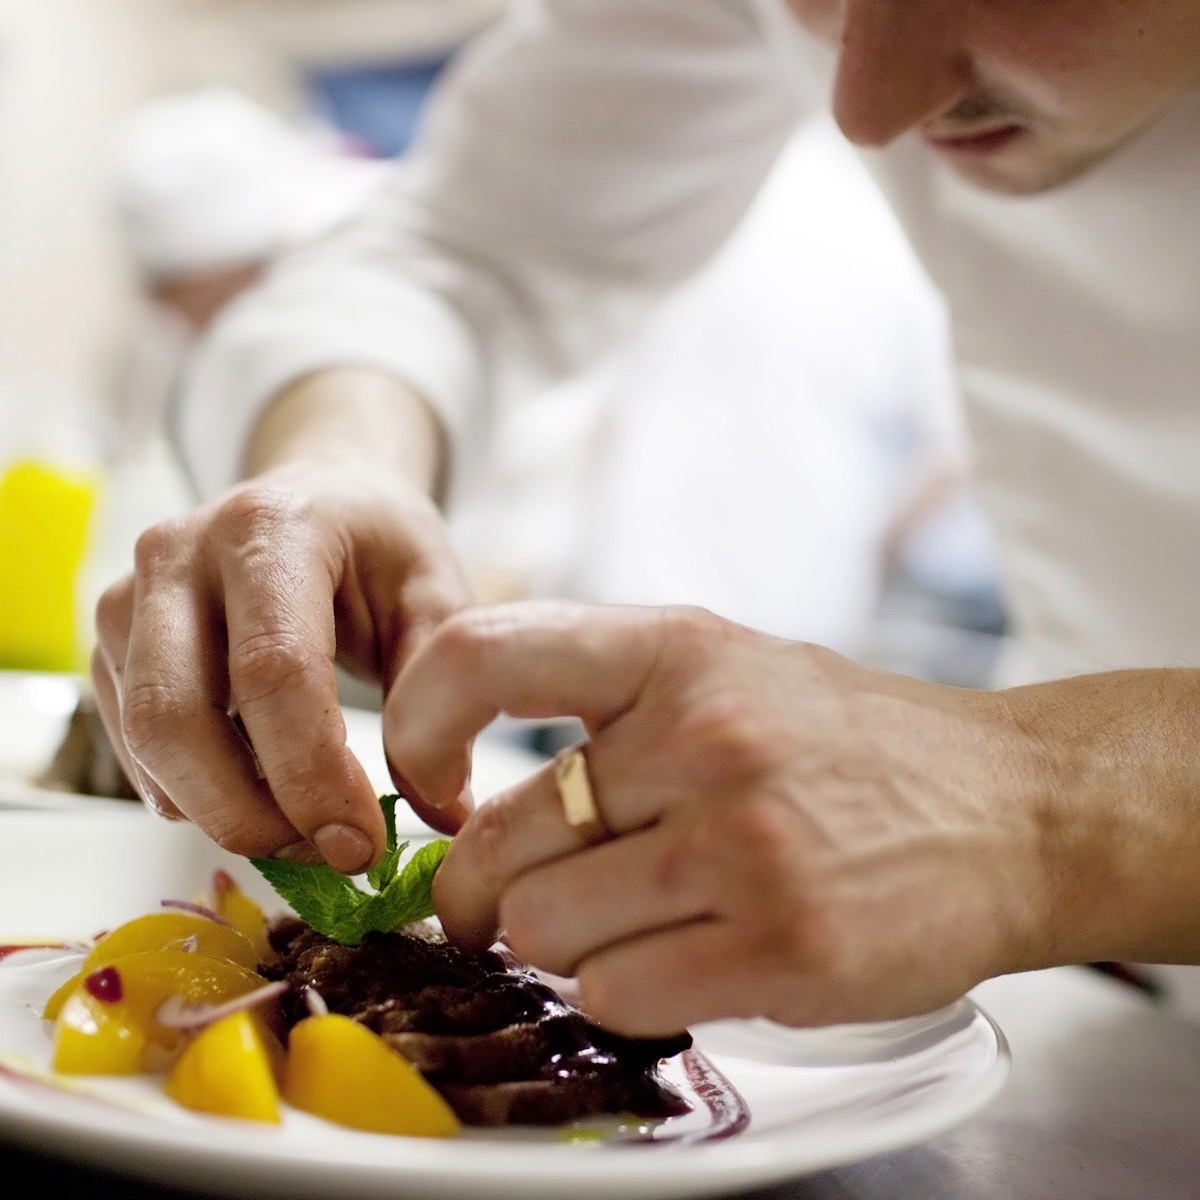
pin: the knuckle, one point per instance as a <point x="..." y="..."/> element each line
<point x="523" y="920"/>
<point x="151" y="715"/>
<point x="759" y="831"/>
<point x="492" y="833"/>
<point x="691" y="854"/>
<point x="731" y="734"/>
<point x="823" y="665"/>
<point x="157" y="547"/>
<point x="113" y="613"/>
<point x="470" y="637"/>
<point x="789" y="921"/>
<point x="298" y="787"/>
<point x="788" y="933"/>
<point x="270" y="661"/>
<point x="251" y="514"/>
<point x="776" y="889"/>
<point x="235" y="836"/>
<point x="691" y="628"/>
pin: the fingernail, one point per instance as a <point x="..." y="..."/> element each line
<point x="303" y="853"/>
<point x="464" y="801"/>
<point x="406" y="789"/>
<point x="344" y="848"/>
<point x="153" y="797"/>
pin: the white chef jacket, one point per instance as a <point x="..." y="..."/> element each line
<point x="589" y="154"/>
<point x="758" y="439"/>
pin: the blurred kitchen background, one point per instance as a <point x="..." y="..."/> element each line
<point x="784" y="461"/>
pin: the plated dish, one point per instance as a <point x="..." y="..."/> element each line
<point x="824" y="1098"/>
<point x="35" y="709"/>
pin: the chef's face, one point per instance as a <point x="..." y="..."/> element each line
<point x="1016" y="95"/>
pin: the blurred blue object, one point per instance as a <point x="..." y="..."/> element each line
<point x="378" y="105"/>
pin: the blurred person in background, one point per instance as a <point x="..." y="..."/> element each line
<point x="784" y="832"/>
<point x="364" y="67"/>
<point x="208" y="187"/>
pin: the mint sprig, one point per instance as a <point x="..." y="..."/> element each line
<point x="334" y="905"/>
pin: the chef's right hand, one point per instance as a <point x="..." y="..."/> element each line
<point x="214" y="664"/>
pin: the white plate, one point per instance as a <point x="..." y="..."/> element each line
<point x="35" y="709"/>
<point x="826" y="1099"/>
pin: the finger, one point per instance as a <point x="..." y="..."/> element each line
<point x="560" y="913"/>
<point x="114" y="615"/>
<point x="106" y="692"/>
<point x="529" y="659"/>
<point x="279" y="589"/>
<point x="668" y="980"/>
<point x="430" y="589"/>
<point x="521" y="828"/>
<point x="425" y="587"/>
<point x="448" y="820"/>
<point x="175" y="718"/>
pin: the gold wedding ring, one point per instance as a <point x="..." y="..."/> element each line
<point x="575" y="795"/>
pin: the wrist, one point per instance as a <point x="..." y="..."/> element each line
<point x="1116" y="801"/>
<point x="363" y="417"/>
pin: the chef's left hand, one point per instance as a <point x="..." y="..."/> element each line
<point x="793" y="836"/>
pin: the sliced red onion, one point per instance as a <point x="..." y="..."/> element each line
<point x="201" y="910"/>
<point x="223" y="883"/>
<point x="316" y="1002"/>
<point x="175" y="1012"/>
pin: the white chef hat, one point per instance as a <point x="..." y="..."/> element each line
<point x="209" y="178"/>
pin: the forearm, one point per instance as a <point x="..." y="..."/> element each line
<point x="1119" y="813"/>
<point x="331" y="554"/>
<point x="366" y="417"/>
<point x="515" y="246"/>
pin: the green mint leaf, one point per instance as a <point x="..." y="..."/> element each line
<point x="334" y="905"/>
<point x="409" y="894"/>
<point x="386" y="867"/>
<point x="323" y="897"/>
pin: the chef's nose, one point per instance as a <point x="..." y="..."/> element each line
<point x="899" y="63"/>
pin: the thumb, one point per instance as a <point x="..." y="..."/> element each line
<point x="534" y="659"/>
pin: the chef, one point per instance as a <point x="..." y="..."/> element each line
<point x="755" y="826"/>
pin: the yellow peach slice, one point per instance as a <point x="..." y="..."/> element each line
<point x="342" y="1071"/>
<point x="106" y="1024"/>
<point x="227" y="1069"/>
<point x="241" y="911"/>
<point x="173" y="929"/>
<point x="58" y="997"/>
<point x="165" y="930"/>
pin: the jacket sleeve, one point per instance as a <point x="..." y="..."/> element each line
<point x="577" y="161"/>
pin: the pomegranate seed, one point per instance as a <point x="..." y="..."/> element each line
<point x="104" y="984"/>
